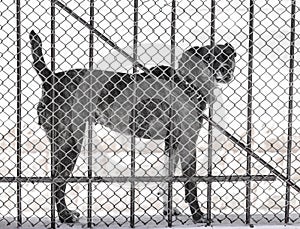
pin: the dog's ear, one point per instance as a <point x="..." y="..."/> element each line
<point x="229" y="50"/>
<point x="204" y="53"/>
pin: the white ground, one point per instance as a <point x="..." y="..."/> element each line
<point x="209" y="227"/>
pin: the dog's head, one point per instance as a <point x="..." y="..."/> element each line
<point x="202" y="66"/>
<point x="223" y="62"/>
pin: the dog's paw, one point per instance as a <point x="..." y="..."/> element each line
<point x="200" y="218"/>
<point x="68" y="216"/>
<point x="175" y="212"/>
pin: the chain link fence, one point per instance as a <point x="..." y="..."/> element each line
<point x="111" y="126"/>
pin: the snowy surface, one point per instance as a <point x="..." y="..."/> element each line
<point x="193" y="227"/>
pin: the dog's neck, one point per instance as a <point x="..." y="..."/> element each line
<point x="205" y="91"/>
<point x="199" y="97"/>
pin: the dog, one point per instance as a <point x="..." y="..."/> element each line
<point x="164" y="104"/>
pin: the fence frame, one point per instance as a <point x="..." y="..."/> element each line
<point x="19" y="179"/>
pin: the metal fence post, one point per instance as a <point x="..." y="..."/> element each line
<point x="90" y="119"/>
<point x="19" y="115"/>
<point x="53" y="134"/>
<point x="171" y="137"/>
<point x="290" y="108"/>
<point x="133" y="113"/>
<point x="249" y="109"/>
<point x="210" y="117"/>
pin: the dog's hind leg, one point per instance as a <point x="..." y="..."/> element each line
<point x="188" y="163"/>
<point x="164" y="186"/>
<point x="171" y="150"/>
<point x="65" y="157"/>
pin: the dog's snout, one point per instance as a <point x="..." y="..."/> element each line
<point x="188" y="79"/>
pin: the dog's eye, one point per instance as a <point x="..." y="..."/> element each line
<point x="40" y="107"/>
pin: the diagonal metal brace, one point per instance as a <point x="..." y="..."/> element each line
<point x="243" y="146"/>
<point x="237" y="142"/>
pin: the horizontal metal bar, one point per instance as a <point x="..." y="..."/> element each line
<point x="124" y="179"/>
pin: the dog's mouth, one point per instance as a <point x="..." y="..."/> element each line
<point x="224" y="75"/>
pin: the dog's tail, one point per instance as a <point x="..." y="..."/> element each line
<point x="38" y="59"/>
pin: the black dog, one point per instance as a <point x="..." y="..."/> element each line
<point x="67" y="101"/>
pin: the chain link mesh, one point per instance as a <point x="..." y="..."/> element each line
<point x="86" y="114"/>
